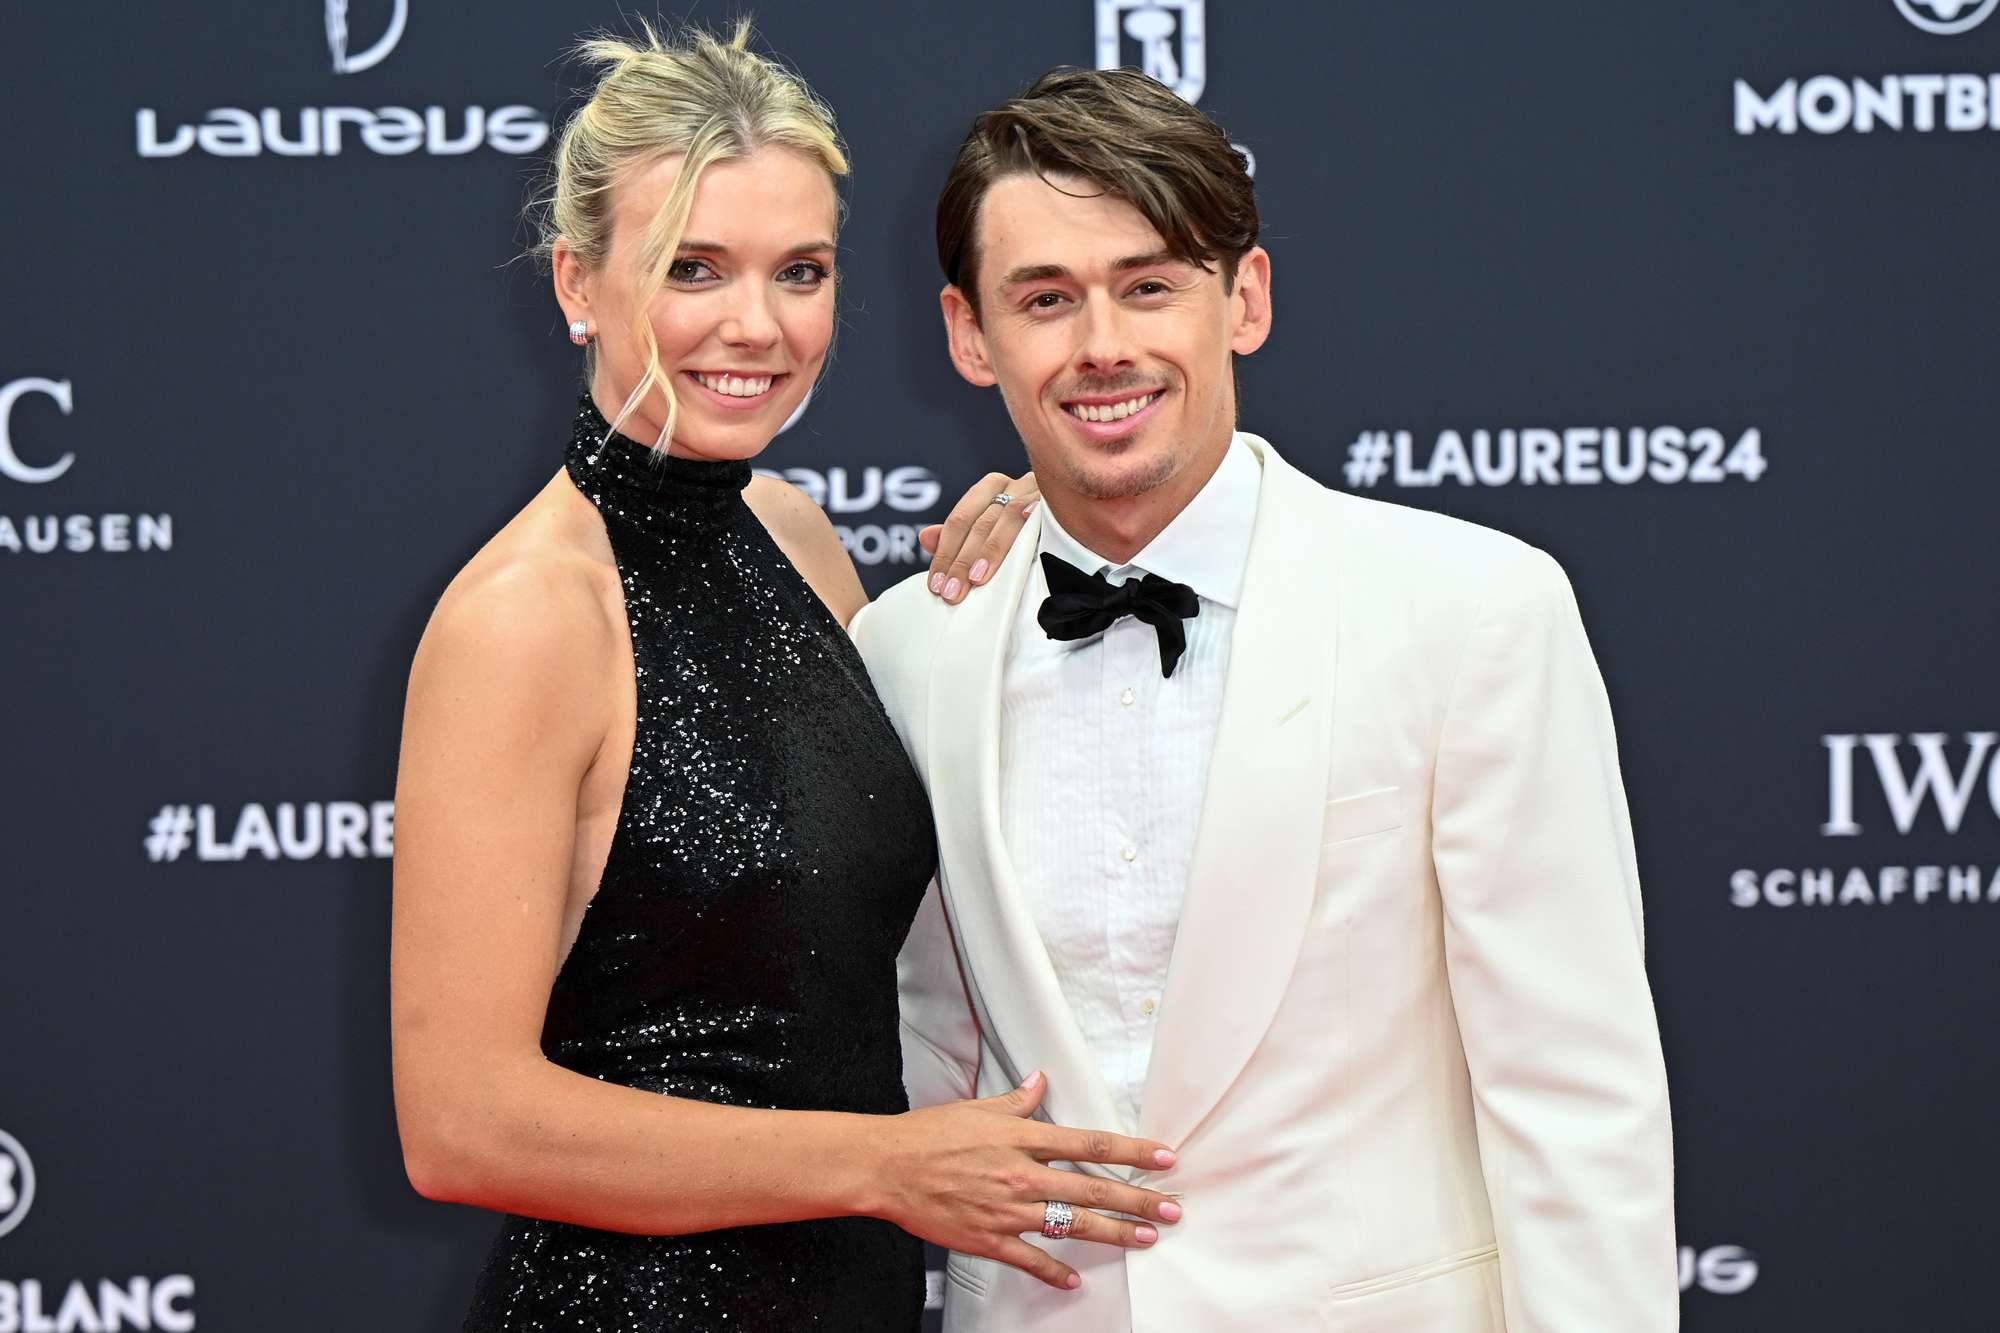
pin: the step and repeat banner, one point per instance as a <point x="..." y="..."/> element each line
<point x="1699" y="297"/>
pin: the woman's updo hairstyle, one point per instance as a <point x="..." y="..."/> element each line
<point x="701" y="97"/>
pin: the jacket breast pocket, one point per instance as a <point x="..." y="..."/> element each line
<point x="1357" y="816"/>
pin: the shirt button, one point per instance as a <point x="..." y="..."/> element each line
<point x="1130" y="853"/>
<point x="1146" y="1006"/>
<point x="1128" y="698"/>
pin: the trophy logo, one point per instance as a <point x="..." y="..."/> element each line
<point x="350" y="62"/>
<point x="1166" y="39"/>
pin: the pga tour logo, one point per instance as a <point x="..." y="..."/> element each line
<point x="1168" y="37"/>
<point x="17" y="1182"/>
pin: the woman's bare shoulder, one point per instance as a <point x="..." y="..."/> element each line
<point x="538" y="599"/>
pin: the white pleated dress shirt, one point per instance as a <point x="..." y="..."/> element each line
<point x="1104" y="764"/>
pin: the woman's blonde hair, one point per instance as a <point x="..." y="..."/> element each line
<point x="699" y="96"/>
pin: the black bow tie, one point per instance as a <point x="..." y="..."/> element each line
<point x="1080" y="605"/>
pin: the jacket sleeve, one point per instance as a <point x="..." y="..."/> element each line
<point x="1544" y="945"/>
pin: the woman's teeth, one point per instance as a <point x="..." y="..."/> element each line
<point x="736" y="386"/>
<point x="1111" y="411"/>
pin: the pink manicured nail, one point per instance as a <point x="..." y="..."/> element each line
<point x="1145" y="1235"/>
<point x="979" y="568"/>
<point x="1073" y="1281"/>
<point x="937" y="581"/>
<point x="951" y="590"/>
<point x="1029" y="508"/>
<point x="1163" y="1158"/>
<point x="1170" y="1212"/>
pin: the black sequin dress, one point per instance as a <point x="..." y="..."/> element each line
<point x="771" y="850"/>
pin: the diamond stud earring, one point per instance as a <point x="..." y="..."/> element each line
<point x="579" y="332"/>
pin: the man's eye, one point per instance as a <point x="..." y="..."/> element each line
<point x="1045" y="300"/>
<point x="1150" y="287"/>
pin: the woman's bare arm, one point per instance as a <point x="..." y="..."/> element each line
<point x="510" y="699"/>
<point x="509" y="702"/>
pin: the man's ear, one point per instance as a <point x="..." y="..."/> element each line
<point x="1250" y="302"/>
<point x="966" y="339"/>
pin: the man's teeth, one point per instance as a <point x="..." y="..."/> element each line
<point x="1111" y="411"/>
<point x="736" y="386"/>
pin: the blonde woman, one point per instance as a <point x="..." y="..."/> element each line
<point x="658" y="846"/>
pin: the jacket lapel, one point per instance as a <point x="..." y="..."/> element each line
<point x="1256" y="856"/>
<point x="1026" y="1021"/>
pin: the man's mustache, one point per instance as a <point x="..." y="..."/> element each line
<point x="1116" y="384"/>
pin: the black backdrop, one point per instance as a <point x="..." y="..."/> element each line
<point x="1718" y="279"/>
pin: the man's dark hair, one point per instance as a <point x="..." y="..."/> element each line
<point x="1126" y="133"/>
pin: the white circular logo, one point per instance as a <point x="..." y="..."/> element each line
<point x="17" y="1182"/>
<point x="1945" y="17"/>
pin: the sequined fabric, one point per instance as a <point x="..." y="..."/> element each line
<point x="771" y="851"/>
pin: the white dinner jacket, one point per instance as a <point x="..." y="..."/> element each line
<point x="1406" y="1051"/>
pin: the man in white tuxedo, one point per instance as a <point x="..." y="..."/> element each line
<point x="1279" y="825"/>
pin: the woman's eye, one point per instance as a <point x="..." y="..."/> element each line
<point x="688" y="270"/>
<point x="804" y="274"/>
